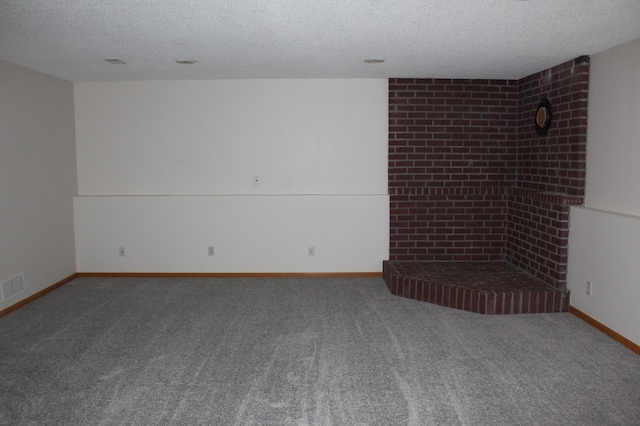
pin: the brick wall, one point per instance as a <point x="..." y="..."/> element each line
<point x="554" y="162"/>
<point x="452" y="148"/>
<point x="471" y="180"/>
<point x="551" y="171"/>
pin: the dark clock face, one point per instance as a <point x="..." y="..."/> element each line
<point x="543" y="117"/>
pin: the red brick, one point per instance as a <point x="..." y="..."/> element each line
<point x="431" y="116"/>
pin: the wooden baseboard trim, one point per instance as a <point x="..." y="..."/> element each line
<point x="606" y="330"/>
<point x="37" y="295"/>
<point x="230" y="274"/>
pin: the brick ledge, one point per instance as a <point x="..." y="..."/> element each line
<point x="488" y="288"/>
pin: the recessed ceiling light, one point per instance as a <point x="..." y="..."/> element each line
<point x="186" y="62"/>
<point x="115" y="61"/>
<point x="373" y="61"/>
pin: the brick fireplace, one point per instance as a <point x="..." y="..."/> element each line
<point x="470" y="180"/>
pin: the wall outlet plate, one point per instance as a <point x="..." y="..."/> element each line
<point x="11" y="287"/>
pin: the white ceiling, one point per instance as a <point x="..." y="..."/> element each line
<point x="502" y="39"/>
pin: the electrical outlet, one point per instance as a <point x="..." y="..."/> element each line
<point x="11" y="287"/>
<point x="121" y="251"/>
<point x="211" y="251"/>
<point x="311" y="251"/>
<point x="589" y="288"/>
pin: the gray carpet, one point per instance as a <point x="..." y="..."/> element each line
<point x="300" y="352"/>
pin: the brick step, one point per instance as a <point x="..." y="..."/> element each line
<point x="481" y="287"/>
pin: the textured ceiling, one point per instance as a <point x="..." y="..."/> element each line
<point x="308" y="38"/>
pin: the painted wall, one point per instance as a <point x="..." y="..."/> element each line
<point x="37" y="178"/>
<point x="166" y="169"/>
<point x="213" y="137"/>
<point x="614" y="130"/>
<point x="248" y="233"/>
<point x="604" y="238"/>
<point x="604" y="250"/>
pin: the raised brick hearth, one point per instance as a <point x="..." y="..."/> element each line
<point x="480" y="287"/>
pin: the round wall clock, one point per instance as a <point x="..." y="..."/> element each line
<point x="543" y="116"/>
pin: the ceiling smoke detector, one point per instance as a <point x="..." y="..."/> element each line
<point x="115" y="61"/>
<point x="186" y="62"/>
<point x="373" y="61"/>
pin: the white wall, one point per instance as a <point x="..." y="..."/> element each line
<point x="165" y="168"/>
<point x="37" y="178"/>
<point x="213" y="137"/>
<point x="613" y="139"/>
<point x="605" y="249"/>
<point x="604" y="244"/>
<point x="249" y="233"/>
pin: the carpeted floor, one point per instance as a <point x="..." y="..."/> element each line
<point x="300" y="352"/>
